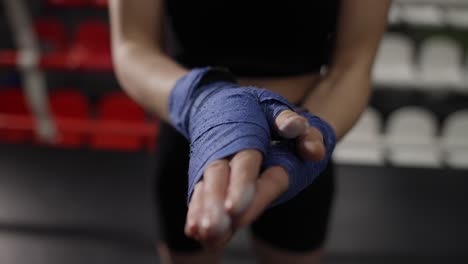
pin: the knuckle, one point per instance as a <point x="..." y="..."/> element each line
<point x="287" y="113"/>
<point x="216" y="165"/>
<point x="280" y="180"/>
<point x="315" y="132"/>
<point x="242" y="156"/>
<point x="246" y="155"/>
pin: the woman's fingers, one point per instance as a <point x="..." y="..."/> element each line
<point x="289" y="124"/>
<point x="310" y="145"/>
<point x="194" y="211"/>
<point x="245" y="167"/>
<point x="214" y="220"/>
<point x="271" y="184"/>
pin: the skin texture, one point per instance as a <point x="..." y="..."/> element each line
<point x="219" y="205"/>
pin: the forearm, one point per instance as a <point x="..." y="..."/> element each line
<point x="147" y="75"/>
<point x="142" y="68"/>
<point x="340" y="98"/>
<point x="344" y="92"/>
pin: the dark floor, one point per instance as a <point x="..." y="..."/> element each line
<point x="81" y="206"/>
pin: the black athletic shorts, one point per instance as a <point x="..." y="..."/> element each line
<point x="298" y="225"/>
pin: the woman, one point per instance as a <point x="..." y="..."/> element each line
<point x="277" y="46"/>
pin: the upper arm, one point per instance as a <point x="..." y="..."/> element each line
<point x="361" y="24"/>
<point x="139" y="22"/>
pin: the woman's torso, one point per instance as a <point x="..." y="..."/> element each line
<point x="279" y="45"/>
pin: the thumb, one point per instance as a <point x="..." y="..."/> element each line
<point x="311" y="146"/>
<point x="289" y="124"/>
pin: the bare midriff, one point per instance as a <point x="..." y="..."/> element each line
<point x="293" y="88"/>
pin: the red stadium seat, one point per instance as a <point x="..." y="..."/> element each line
<point x="91" y="46"/>
<point x="93" y="35"/>
<point x="52" y="36"/>
<point x="13" y="102"/>
<point x="72" y="105"/>
<point x="117" y="108"/>
<point x="51" y="33"/>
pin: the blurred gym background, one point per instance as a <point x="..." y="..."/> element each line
<point x="75" y="152"/>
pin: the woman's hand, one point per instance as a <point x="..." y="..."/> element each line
<point x="232" y="194"/>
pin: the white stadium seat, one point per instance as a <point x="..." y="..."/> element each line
<point x="425" y="15"/>
<point x="457" y="17"/>
<point x="411" y="138"/>
<point x="440" y="64"/>
<point x="394" y="14"/>
<point x="394" y="66"/>
<point x="363" y="144"/>
<point x="455" y="140"/>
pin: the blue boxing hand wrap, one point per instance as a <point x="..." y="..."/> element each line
<point x="301" y="173"/>
<point x="221" y="118"/>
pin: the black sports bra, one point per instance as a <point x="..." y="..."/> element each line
<point x="255" y="38"/>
